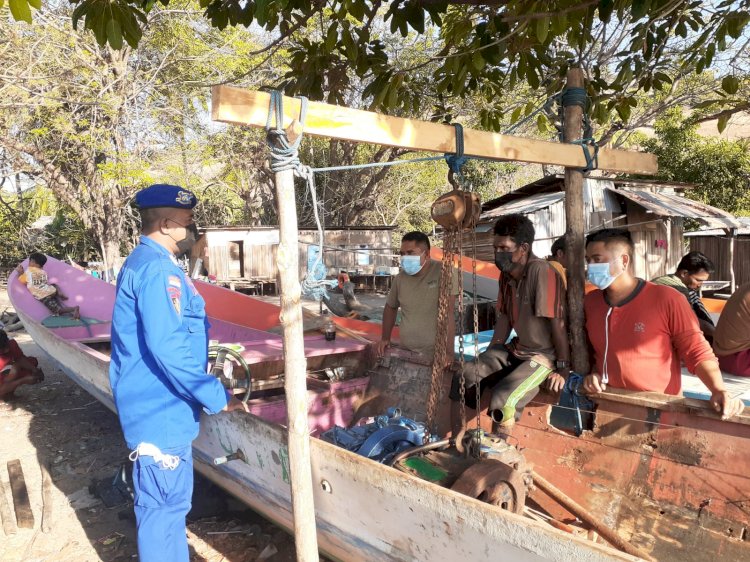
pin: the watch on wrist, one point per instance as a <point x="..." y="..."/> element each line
<point x="562" y="365"/>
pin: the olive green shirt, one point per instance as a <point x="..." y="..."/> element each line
<point x="417" y="296"/>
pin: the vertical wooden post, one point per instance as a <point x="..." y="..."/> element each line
<point x="732" y="244"/>
<point x="575" y="231"/>
<point x="295" y="371"/>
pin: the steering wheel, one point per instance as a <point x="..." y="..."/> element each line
<point x="218" y="354"/>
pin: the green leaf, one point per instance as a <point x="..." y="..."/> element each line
<point x="730" y="84"/>
<point x="20" y="10"/>
<point x="114" y="34"/>
<point x="36" y="4"/>
<point x="640" y="8"/>
<point x="605" y="10"/>
<point x="477" y="61"/>
<point x="722" y="123"/>
<point x="542" y="28"/>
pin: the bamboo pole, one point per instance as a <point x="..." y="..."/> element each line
<point x="575" y="231"/>
<point x="295" y="370"/>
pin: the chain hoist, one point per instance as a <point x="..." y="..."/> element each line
<point x="456" y="211"/>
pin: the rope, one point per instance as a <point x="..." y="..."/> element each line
<point x="284" y="157"/>
<point x="579" y="97"/>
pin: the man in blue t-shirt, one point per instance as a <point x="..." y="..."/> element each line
<point x="158" y="370"/>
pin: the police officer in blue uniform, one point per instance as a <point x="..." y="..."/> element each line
<point x="158" y="370"/>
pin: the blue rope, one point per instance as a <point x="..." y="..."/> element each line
<point x="579" y="97"/>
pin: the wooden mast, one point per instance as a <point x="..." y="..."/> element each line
<point x="575" y="232"/>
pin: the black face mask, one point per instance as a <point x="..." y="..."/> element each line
<point x="504" y="261"/>
<point x="186" y="244"/>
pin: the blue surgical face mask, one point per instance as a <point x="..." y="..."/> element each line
<point x="411" y="264"/>
<point x="599" y="275"/>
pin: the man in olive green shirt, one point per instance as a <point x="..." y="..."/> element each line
<point x="416" y="290"/>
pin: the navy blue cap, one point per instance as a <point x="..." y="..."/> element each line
<point x="165" y="195"/>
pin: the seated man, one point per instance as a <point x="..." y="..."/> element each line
<point x="35" y="279"/>
<point x="694" y="268"/>
<point x="15" y="368"/>
<point x="531" y="300"/>
<point x="732" y="335"/>
<point x="639" y="332"/>
<point x="560" y="263"/>
<point x="416" y="290"/>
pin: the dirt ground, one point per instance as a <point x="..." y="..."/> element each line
<point x="59" y="424"/>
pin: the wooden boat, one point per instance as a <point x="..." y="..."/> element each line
<point x="666" y="473"/>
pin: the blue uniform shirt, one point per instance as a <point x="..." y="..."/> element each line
<point x="160" y="351"/>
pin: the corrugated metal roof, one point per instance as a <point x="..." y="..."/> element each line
<point x="744" y="230"/>
<point x="669" y="205"/>
<point x="526" y="205"/>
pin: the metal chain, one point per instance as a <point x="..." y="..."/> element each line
<point x="476" y="326"/>
<point x="460" y="327"/>
<point x="441" y="337"/>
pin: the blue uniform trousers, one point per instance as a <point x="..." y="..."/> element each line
<point x="162" y="500"/>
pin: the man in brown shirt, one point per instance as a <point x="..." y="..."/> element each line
<point x="531" y="301"/>
<point x="732" y="334"/>
<point x="415" y="290"/>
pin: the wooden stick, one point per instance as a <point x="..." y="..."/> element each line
<point x="576" y="227"/>
<point x="9" y="524"/>
<point x="295" y="365"/>
<point x="583" y="514"/>
<point x="24" y="515"/>
<point x="46" y="498"/>
<point x="245" y="107"/>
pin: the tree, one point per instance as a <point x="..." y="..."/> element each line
<point x="719" y="168"/>
<point x="92" y="122"/>
<point x="470" y="47"/>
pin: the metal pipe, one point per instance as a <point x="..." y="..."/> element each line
<point x="419" y="449"/>
<point x="587" y="517"/>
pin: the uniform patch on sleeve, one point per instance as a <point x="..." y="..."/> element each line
<point x="175" y="295"/>
<point x="174" y="281"/>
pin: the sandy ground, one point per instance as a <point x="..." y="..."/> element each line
<point x="58" y="423"/>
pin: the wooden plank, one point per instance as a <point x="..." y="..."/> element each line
<point x="245" y="107"/>
<point x="9" y="524"/>
<point x="24" y="515"/>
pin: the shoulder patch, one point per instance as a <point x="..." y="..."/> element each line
<point x="175" y="295"/>
<point x="174" y="281"/>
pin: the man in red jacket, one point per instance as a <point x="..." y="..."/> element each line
<point x="640" y="331"/>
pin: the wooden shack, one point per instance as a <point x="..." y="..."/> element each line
<point x="729" y="250"/>
<point x="654" y="212"/>
<point x="245" y="257"/>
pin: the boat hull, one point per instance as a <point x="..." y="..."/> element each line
<point x="365" y="511"/>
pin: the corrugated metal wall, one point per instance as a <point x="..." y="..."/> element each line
<point x="716" y="248"/>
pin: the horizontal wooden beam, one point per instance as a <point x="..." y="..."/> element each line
<point x="245" y="107"/>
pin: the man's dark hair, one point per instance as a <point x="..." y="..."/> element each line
<point x="517" y="226"/>
<point x="417" y="237"/>
<point x="610" y="235"/>
<point x="150" y="216"/>
<point x="558" y="245"/>
<point x="694" y="262"/>
<point x="40" y="259"/>
<point x="4" y="340"/>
